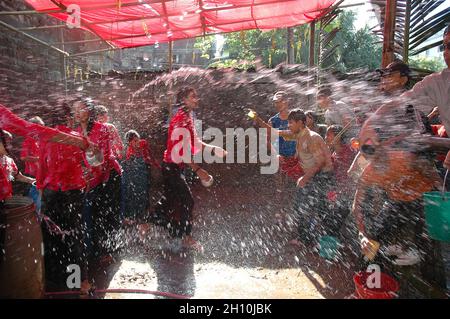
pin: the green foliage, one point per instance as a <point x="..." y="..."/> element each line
<point x="427" y="63"/>
<point x="206" y="45"/>
<point x="242" y="65"/>
<point x="357" y="49"/>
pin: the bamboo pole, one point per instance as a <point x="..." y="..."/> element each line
<point x="290" y="45"/>
<point x="406" y="37"/>
<point x="10" y="27"/>
<point x="389" y="33"/>
<point x="64" y="61"/>
<point x="170" y="57"/>
<point x="312" y="37"/>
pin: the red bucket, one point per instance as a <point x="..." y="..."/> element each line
<point x="388" y="290"/>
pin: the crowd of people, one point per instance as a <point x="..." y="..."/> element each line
<point x="84" y="202"/>
<point x="366" y="166"/>
<point x="344" y="161"/>
<point x="92" y="187"/>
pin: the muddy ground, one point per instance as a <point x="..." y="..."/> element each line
<point x="246" y="252"/>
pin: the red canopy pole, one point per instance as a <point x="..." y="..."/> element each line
<point x="389" y="32"/>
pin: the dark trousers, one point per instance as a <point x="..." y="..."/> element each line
<point x="64" y="209"/>
<point x="336" y="215"/>
<point x="101" y="217"/>
<point x="111" y="202"/>
<point x="312" y="207"/>
<point x="174" y="209"/>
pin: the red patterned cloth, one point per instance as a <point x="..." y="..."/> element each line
<point x="290" y="166"/>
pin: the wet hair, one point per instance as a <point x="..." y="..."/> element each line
<point x="100" y="110"/>
<point x="183" y="93"/>
<point x="90" y="107"/>
<point x="130" y="135"/>
<point x="297" y="115"/>
<point x="61" y="113"/>
<point x="312" y="115"/>
<point x="336" y="129"/>
<point x="324" y="90"/>
<point x="36" y="120"/>
<point x="280" y="95"/>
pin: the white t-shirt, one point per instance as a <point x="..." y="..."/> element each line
<point x="432" y="91"/>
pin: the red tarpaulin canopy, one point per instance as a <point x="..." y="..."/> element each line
<point x="131" y="23"/>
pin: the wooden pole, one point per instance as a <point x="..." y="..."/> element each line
<point x="389" y="32"/>
<point x="10" y="27"/>
<point x="170" y="57"/>
<point x="290" y="45"/>
<point x="312" y="37"/>
<point x="64" y="61"/>
<point x="406" y="37"/>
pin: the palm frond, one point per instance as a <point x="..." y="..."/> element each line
<point x="413" y="24"/>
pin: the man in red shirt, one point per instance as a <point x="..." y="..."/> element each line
<point x="176" y="205"/>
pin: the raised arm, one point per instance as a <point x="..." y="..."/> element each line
<point x="11" y="122"/>
<point x="286" y="134"/>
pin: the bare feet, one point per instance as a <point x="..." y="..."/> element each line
<point x="85" y="287"/>
<point x="190" y="242"/>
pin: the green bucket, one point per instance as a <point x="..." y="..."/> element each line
<point x="437" y="214"/>
<point x="329" y="247"/>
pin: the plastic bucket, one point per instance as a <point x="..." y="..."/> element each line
<point x="437" y="215"/>
<point x="329" y="247"/>
<point x="388" y="287"/>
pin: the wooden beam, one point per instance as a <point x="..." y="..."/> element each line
<point x="197" y="11"/>
<point x="290" y="45"/>
<point x="170" y="56"/>
<point x="202" y="18"/>
<point x="93" y="52"/>
<point x="389" y="33"/>
<point x="10" y="27"/>
<point x="63" y="7"/>
<point x="406" y="36"/>
<point x="44" y="27"/>
<point x="190" y="29"/>
<point x="312" y="37"/>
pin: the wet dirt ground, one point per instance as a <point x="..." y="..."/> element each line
<point x="246" y="253"/>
